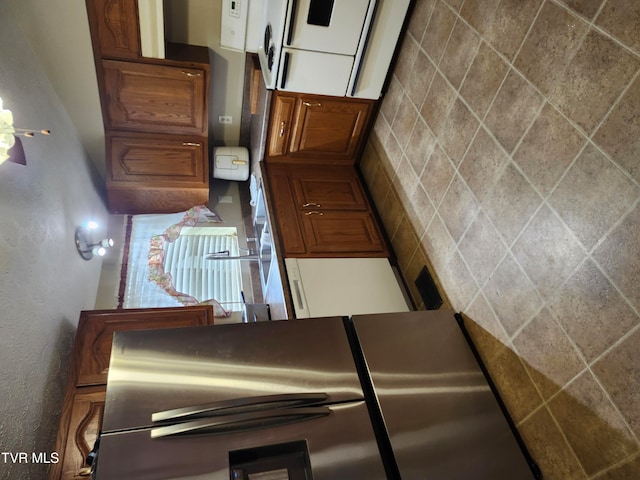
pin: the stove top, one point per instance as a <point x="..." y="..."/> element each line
<point x="273" y="24"/>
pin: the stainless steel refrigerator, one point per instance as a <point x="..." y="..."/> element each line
<point x="368" y="397"/>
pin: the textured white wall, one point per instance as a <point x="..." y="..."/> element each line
<point x="60" y="37"/>
<point x="43" y="281"/>
<point x="197" y="22"/>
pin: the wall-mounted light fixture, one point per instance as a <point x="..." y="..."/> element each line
<point x="10" y="143"/>
<point x="87" y="248"/>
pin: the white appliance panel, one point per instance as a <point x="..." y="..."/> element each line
<point x="367" y="80"/>
<point x="233" y="24"/>
<point x="320" y="73"/>
<point x="323" y="287"/>
<point x="333" y="30"/>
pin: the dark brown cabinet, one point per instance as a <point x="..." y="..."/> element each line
<point x="156" y="173"/>
<point x="323" y="211"/>
<point x="317" y="127"/>
<point x="142" y="97"/>
<point x="156" y="98"/>
<point x="114" y="24"/>
<point x="83" y="406"/>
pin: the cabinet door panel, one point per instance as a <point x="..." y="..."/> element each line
<point x="157" y="159"/>
<point x="114" y="27"/>
<point x="328" y="188"/>
<point x="83" y="428"/>
<point x="139" y="199"/>
<point x="286" y="210"/>
<point x="341" y="233"/>
<point x="95" y="334"/>
<point x="157" y="98"/>
<point x="329" y="128"/>
<point x="281" y="124"/>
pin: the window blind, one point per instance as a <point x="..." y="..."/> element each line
<point x="206" y="279"/>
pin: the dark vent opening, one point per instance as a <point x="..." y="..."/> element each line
<point x="428" y="290"/>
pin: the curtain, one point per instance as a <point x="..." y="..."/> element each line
<point x="148" y="283"/>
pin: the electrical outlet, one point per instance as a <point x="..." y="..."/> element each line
<point x="228" y="119"/>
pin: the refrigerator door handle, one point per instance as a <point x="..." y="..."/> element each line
<point x="241" y="422"/>
<point x="240" y="405"/>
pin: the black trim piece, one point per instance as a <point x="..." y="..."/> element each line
<point x="535" y="469"/>
<point x="292" y="20"/>
<point x="320" y="12"/>
<point x="375" y="412"/>
<point x="285" y="70"/>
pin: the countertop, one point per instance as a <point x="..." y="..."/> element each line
<point x="277" y="293"/>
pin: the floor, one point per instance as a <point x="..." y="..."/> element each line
<point x="506" y="158"/>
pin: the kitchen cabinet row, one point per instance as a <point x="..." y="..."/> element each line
<point x="320" y="205"/>
<point x="83" y="406"/>
<point x="155" y="115"/>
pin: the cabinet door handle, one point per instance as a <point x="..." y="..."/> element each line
<point x="312" y="104"/>
<point x="191" y="74"/>
<point x="311" y="204"/>
<point x="314" y="212"/>
<point x="191" y="144"/>
<point x="282" y="128"/>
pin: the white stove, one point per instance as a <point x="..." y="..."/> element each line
<point x="329" y="47"/>
<point x="273" y="22"/>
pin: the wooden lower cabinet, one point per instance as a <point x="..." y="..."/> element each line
<point x="83" y="407"/>
<point x="344" y="232"/>
<point x="304" y="126"/>
<point x="322" y="211"/>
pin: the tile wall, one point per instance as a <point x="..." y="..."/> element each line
<point x="506" y="156"/>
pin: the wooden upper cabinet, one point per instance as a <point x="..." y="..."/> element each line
<point x="114" y="28"/>
<point x="317" y="128"/>
<point x="155" y="98"/>
<point x="96" y="328"/>
<point x="82" y="431"/>
<point x="157" y="159"/>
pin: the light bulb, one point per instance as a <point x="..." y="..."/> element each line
<point x="99" y="251"/>
<point x="107" y="242"/>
